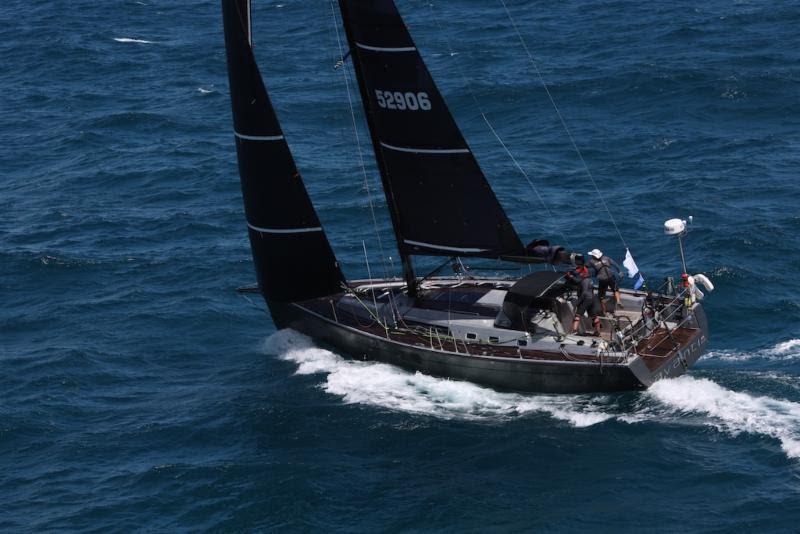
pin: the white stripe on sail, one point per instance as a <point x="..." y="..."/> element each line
<point x="426" y="150"/>
<point x="384" y="49"/>
<point x="442" y="247"/>
<point x="258" y="137"/>
<point x="284" y="230"/>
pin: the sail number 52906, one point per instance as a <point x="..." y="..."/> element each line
<point x="403" y="101"/>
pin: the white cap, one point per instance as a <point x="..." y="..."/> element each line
<point x="596" y="253"/>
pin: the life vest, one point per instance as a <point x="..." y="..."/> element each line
<point x="602" y="267"/>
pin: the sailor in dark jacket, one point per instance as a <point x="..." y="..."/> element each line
<point x="606" y="270"/>
<point x="586" y="300"/>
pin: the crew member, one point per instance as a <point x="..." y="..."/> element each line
<point x="586" y="299"/>
<point x="607" y="271"/>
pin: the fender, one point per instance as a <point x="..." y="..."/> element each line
<point x="703" y="279"/>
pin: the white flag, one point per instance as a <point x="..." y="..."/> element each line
<point x="629" y="264"/>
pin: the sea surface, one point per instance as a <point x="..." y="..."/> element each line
<point x="140" y="391"/>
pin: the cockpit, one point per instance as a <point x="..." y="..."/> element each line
<point x="539" y="293"/>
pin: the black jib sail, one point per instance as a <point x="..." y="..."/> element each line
<point x="293" y="258"/>
<point x="440" y="201"/>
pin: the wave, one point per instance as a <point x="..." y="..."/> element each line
<point x="731" y="411"/>
<point x="131" y="40"/>
<point x="787" y="347"/>
<point x="389" y="387"/>
<point x="785" y="350"/>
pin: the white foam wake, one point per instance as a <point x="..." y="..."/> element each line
<point x="787" y="347"/>
<point x="131" y="40"/>
<point x="389" y="387"/>
<point x="786" y="350"/>
<point x="732" y="411"/>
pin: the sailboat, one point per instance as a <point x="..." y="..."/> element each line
<point x="501" y="332"/>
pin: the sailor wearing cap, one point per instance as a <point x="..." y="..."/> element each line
<point x="606" y="271"/>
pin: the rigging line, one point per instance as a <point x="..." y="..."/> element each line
<point x="329" y="33"/>
<point x="486" y="120"/>
<point x="347" y="289"/>
<point x="369" y="273"/>
<point x="522" y="171"/>
<point x="358" y="144"/>
<point x="561" y="119"/>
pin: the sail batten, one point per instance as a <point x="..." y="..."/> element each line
<point x="444" y="248"/>
<point x="386" y="48"/>
<point x="426" y="150"/>
<point x="439" y="199"/>
<point x="258" y="137"/>
<point x="293" y="258"/>
<point x="284" y="230"/>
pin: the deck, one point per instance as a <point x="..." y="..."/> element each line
<point x="421" y="335"/>
<point x="662" y="345"/>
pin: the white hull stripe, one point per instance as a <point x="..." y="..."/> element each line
<point x="426" y="150"/>
<point x="258" y="137"/>
<point x="382" y="49"/>
<point x="442" y="247"/>
<point x="284" y="230"/>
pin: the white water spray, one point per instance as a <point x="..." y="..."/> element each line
<point x="786" y="350"/>
<point x="732" y="411"/>
<point x="387" y="386"/>
<point x="131" y="40"/>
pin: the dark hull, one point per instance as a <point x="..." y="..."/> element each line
<point x="501" y="373"/>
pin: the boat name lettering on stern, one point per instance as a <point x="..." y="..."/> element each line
<point x="681" y="358"/>
<point x="403" y="101"/>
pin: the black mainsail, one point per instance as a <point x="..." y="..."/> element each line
<point x="439" y="199"/>
<point x="293" y="258"/>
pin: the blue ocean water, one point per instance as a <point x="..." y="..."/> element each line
<point x="139" y="391"/>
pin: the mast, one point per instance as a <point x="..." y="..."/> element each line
<point x="292" y="256"/>
<point x="439" y="199"/>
